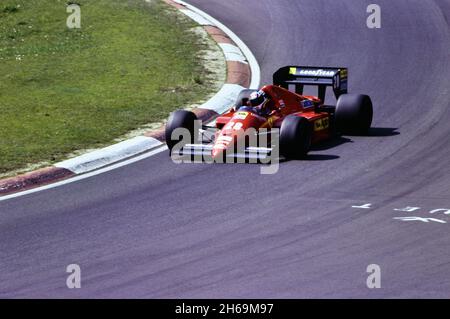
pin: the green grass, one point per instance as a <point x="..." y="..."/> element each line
<point x="63" y="90"/>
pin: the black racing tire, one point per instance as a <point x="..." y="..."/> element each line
<point x="295" y="137"/>
<point x="243" y="98"/>
<point x="179" y="119"/>
<point x="354" y="113"/>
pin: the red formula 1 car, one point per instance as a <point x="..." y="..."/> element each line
<point x="299" y="120"/>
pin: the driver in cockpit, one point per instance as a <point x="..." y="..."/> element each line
<point x="261" y="103"/>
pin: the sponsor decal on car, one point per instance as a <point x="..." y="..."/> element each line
<point x="321" y="124"/>
<point x="317" y="72"/>
<point x="241" y="115"/>
<point x="307" y="103"/>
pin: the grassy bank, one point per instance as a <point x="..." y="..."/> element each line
<point x="62" y="90"/>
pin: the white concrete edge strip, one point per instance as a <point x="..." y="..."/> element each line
<point x="105" y="156"/>
<point x="254" y="66"/>
<point x="87" y="175"/>
<point x="232" y="53"/>
<point x="91" y="164"/>
<point x="196" y="17"/>
<point x="226" y="97"/>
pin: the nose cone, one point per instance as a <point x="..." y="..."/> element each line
<point x="220" y="147"/>
<point x="217" y="153"/>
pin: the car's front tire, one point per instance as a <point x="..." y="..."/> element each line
<point x="295" y="137"/>
<point x="179" y="119"/>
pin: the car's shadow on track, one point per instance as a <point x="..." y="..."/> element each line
<point x="380" y="132"/>
<point x="320" y="157"/>
<point x="383" y="131"/>
<point x="311" y="157"/>
<point x="333" y="143"/>
<point x="322" y="147"/>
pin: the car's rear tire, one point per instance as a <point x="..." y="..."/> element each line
<point x="243" y="97"/>
<point x="179" y="119"/>
<point x="354" y="114"/>
<point x="295" y="137"/>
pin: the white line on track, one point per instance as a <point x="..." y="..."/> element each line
<point x="112" y="154"/>
<point x="87" y="175"/>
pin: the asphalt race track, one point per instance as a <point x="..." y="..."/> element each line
<point x="160" y="230"/>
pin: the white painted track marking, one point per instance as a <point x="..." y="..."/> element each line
<point x="87" y="175"/>
<point x="111" y="154"/>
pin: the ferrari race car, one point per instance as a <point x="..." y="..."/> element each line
<point x="299" y="120"/>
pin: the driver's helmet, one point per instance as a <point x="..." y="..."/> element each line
<point x="257" y="98"/>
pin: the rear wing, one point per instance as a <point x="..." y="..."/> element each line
<point x="316" y="76"/>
